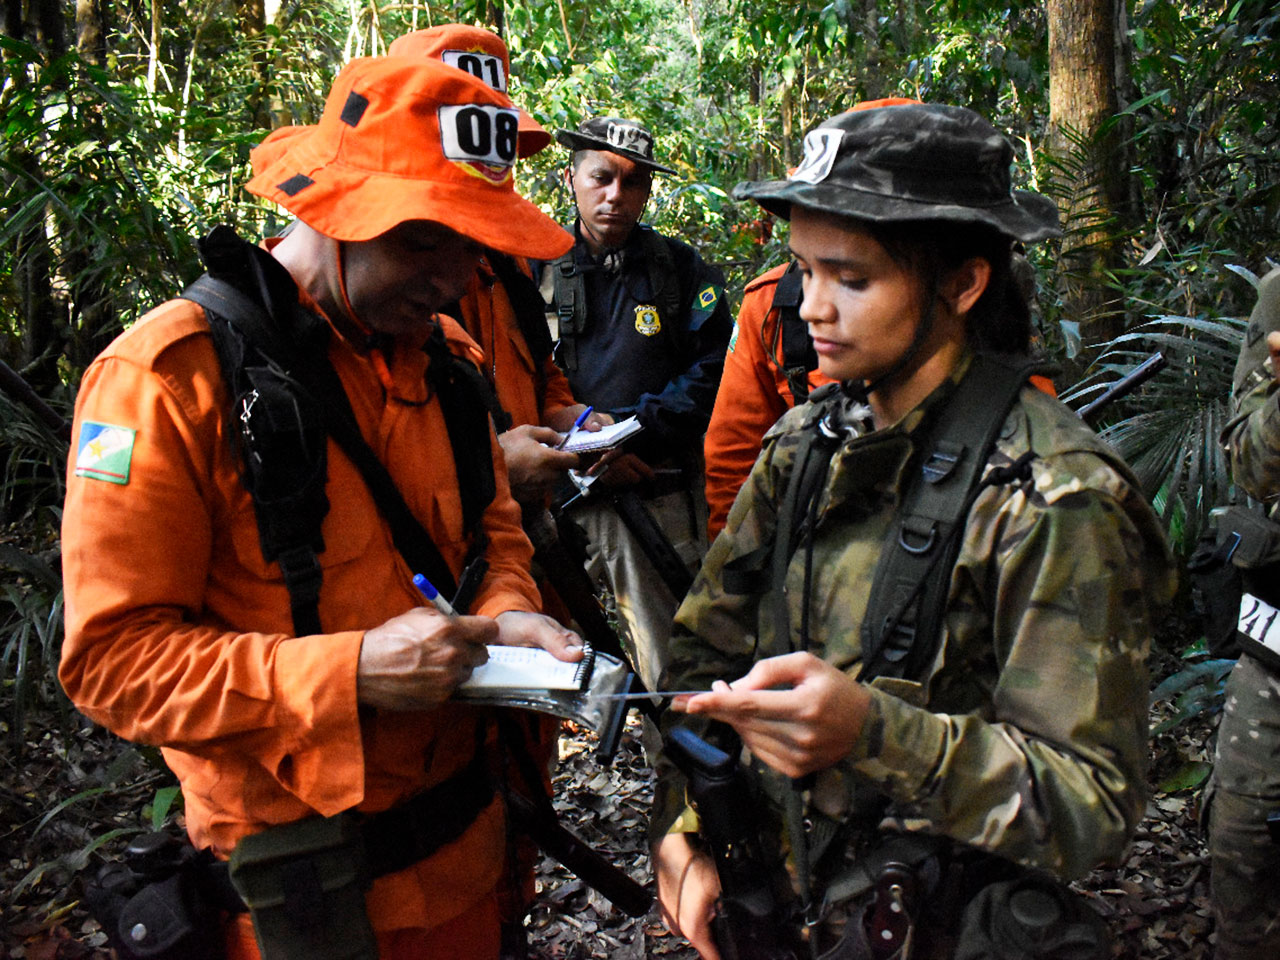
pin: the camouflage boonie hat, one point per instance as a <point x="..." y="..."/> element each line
<point x="616" y="135"/>
<point x="909" y="162"/>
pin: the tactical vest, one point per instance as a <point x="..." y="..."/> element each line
<point x="564" y="291"/>
<point x="799" y="358"/>
<point x="288" y="400"/>
<point x="902" y="625"/>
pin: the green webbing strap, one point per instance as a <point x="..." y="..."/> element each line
<point x="903" y="621"/>
<point x="808" y="473"/>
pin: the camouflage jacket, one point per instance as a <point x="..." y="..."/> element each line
<point x="1027" y="734"/>
<point x="1252" y="436"/>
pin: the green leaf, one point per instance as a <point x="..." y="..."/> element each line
<point x="788" y="68"/>
<point x="1187" y="777"/>
<point x="161" y="805"/>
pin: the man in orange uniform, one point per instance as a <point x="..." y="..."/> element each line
<point x="181" y="634"/>
<point x="503" y="313"/>
<point x="755" y="389"/>
<point x="501" y="309"/>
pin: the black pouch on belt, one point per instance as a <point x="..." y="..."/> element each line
<point x="305" y="883"/>
<point x="158" y="904"/>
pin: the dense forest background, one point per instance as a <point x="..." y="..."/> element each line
<point x="127" y="128"/>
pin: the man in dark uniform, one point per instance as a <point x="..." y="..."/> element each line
<point x="642" y="327"/>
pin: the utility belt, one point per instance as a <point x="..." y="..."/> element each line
<point x="1235" y="578"/>
<point x="303" y="882"/>
<point x="922" y="897"/>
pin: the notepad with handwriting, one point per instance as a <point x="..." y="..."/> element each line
<point x="527" y="668"/>
<point x="585" y="441"/>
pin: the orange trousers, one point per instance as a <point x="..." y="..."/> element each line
<point x="473" y="935"/>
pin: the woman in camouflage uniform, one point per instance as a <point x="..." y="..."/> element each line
<point x="1246" y="771"/>
<point x="1023" y="732"/>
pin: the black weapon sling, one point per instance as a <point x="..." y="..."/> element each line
<point x="288" y="398"/>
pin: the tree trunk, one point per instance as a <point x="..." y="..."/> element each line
<point x="252" y="17"/>
<point x="1082" y="97"/>
<point x="153" y="60"/>
<point x="496" y="18"/>
<point x="91" y="32"/>
<point x="39" y="341"/>
<point x="871" y="46"/>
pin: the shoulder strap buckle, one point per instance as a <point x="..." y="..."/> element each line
<point x="942" y="461"/>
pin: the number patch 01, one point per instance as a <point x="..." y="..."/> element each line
<point x="485" y="66"/>
<point x="479" y="133"/>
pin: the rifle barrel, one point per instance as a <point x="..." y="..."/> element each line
<point x="1125" y="385"/>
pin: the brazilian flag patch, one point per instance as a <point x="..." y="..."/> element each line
<point x="704" y="304"/>
<point x="105" y="452"/>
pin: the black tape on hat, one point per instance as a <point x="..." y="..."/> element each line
<point x="353" y="109"/>
<point x="295" y="184"/>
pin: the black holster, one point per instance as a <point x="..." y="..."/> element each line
<point x="162" y="902"/>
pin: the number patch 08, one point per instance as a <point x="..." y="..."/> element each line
<point x="479" y="133"/>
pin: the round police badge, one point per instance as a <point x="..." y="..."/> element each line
<point x="647" y="322"/>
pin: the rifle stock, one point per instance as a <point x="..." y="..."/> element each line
<point x="753" y="920"/>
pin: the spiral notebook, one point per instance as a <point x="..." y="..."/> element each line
<point x="527" y="668"/>
<point x="585" y="441"/>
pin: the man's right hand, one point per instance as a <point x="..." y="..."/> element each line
<point x="1273" y="346"/>
<point x="534" y="465"/>
<point x="416" y="660"/>
<point x="688" y="889"/>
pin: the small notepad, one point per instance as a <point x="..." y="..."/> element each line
<point x="585" y="441"/>
<point x="527" y="668"/>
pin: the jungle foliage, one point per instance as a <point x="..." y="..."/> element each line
<point x="127" y="130"/>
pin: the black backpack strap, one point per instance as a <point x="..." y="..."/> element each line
<point x="818" y="443"/>
<point x="798" y="355"/>
<point x="531" y="319"/>
<point x="568" y="303"/>
<point x="903" y="620"/>
<point x="527" y="304"/>
<point x="281" y="440"/>
<point x="289" y="399"/>
<point x="462" y="390"/>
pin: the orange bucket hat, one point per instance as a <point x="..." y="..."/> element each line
<point x="479" y="52"/>
<point x="405" y="138"/>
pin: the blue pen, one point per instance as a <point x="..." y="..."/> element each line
<point x="577" y="424"/>
<point x="431" y="593"/>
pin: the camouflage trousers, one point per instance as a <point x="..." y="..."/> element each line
<point x="1245" y="789"/>
<point x="646" y="609"/>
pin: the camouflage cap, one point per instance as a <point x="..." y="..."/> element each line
<point x="909" y="162"/>
<point x="627" y="138"/>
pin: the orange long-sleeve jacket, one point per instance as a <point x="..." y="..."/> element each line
<point x="179" y="634"/>
<point x="753" y="395"/>
<point x="529" y="389"/>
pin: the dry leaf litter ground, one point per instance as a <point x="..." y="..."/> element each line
<point x="56" y="807"/>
